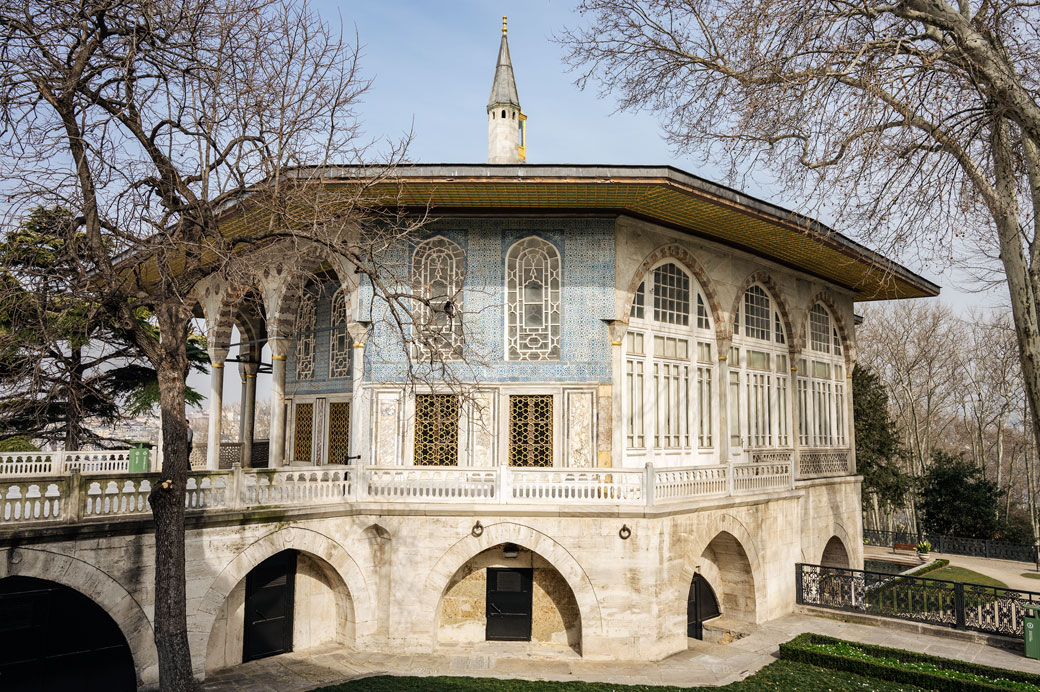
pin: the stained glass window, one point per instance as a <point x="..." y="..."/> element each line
<point x="438" y="273"/>
<point x="533" y="276"/>
<point x="340" y="343"/>
<point x="305" y="337"/>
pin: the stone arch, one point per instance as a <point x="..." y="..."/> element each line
<point x="340" y="566"/>
<point x="461" y="612"/>
<point x="690" y="264"/>
<point x="828" y="302"/>
<point x="835" y="554"/>
<point x="101" y="588"/>
<point x="284" y="304"/>
<point x="763" y="278"/>
<point x="537" y="542"/>
<point x="720" y="576"/>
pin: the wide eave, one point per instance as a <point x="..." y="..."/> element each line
<point x="660" y="194"/>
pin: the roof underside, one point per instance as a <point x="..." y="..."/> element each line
<point x="662" y="195"/>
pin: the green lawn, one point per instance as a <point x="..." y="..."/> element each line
<point x="1031" y="575"/>
<point x="964" y="575"/>
<point x="782" y="676"/>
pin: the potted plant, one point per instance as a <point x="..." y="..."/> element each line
<point x="923" y="548"/>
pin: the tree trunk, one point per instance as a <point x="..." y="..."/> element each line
<point x="73" y="422"/>
<point x="167" y="501"/>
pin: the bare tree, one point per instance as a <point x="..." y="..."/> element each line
<point x="191" y="138"/>
<point x="913" y="122"/>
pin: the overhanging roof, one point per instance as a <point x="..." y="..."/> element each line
<point x="661" y="194"/>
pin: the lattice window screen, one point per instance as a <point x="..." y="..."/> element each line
<point x="304" y="331"/>
<point x="436" y="430"/>
<point x="340" y="343"/>
<point x="531" y="430"/>
<point x="304" y="436"/>
<point x="339" y="432"/>
<point x="438" y="273"/>
<point x="533" y="297"/>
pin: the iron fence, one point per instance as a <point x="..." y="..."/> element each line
<point x="954" y="545"/>
<point x="978" y="607"/>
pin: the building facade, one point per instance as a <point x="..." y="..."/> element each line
<point x="649" y="424"/>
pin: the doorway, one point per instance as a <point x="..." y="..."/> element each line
<point x="509" y="604"/>
<point x="269" y="604"/>
<point x="701" y="605"/>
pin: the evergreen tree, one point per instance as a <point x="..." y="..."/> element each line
<point x="877" y="445"/>
<point x="955" y="499"/>
<point x="62" y="366"/>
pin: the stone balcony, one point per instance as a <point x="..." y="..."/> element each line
<point x="59" y="489"/>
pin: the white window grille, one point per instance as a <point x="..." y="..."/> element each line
<point x="533" y="278"/>
<point x="756" y="313"/>
<point x="438" y="274"/>
<point x="671" y="295"/>
<point x="639" y="302"/>
<point x="304" y="330"/>
<point x="702" y="314"/>
<point x="819" y="329"/>
<point x="340" y="343"/>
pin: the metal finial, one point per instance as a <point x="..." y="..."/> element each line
<point x="504" y="26"/>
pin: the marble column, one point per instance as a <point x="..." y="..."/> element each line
<point x="279" y="349"/>
<point x="247" y="371"/>
<point x="359" y="332"/>
<point x="616" y="330"/>
<point x="216" y="406"/>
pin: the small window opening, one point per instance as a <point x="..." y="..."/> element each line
<point x="503" y="114"/>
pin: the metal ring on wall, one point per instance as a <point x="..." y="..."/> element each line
<point x="625" y="532"/>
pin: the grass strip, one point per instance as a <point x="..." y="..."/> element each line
<point x="896" y="665"/>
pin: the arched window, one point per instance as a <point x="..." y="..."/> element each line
<point x="821" y="384"/>
<point x="340" y="344"/>
<point x="438" y="273"/>
<point x="533" y="274"/>
<point x="759" y="375"/>
<point x="304" y="331"/>
<point x="669" y="368"/>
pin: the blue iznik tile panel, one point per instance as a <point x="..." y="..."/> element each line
<point x="320" y="383"/>
<point x="587" y="252"/>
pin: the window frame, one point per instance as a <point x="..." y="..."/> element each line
<point x="552" y="302"/>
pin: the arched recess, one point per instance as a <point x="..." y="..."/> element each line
<point x="729" y="561"/>
<point x="464" y="609"/>
<point x="828" y="301"/>
<point x="337" y="566"/>
<point x="449" y="564"/>
<point x="687" y="260"/>
<point x="762" y="277"/>
<point x="284" y="294"/>
<point x="835" y="554"/>
<point x="102" y="589"/>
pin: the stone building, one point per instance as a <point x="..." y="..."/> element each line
<point x="657" y="429"/>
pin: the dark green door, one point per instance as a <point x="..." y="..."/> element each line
<point x="508" y="604"/>
<point x="701" y="605"/>
<point x="269" y="607"/>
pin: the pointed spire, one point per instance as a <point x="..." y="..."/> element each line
<point x="503" y="89"/>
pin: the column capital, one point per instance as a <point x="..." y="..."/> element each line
<point x="359" y="332"/>
<point x="247" y="370"/>
<point x="616" y="329"/>
<point x="217" y="355"/>
<point x="279" y="347"/>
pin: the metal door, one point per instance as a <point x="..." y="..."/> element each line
<point x="701" y="605"/>
<point x="508" y="604"/>
<point x="269" y="607"/>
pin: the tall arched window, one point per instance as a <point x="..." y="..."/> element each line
<point x="304" y="331"/>
<point x="759" y="375"/>
<point x="669" y="368"/>
<point x="339" y="342"/>
<point x="821" y="384"/>
<point x="438" y="273"/>
<point x="533" y="275"/>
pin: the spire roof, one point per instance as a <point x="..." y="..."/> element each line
<point x="503" y="89"/>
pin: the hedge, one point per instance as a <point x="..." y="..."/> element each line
<point x="797" y="650"/>
<point x="925" y="569"/>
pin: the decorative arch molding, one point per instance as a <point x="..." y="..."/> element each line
<point x="835" y="530"/>
<point x="827" y="299"/>
<point x="508" y="532"/>
<point x="690" y="264"/>
<point x="726" y="523"/>
<point x="101" y="588"/>
<point x="794" y="339"/>
<point x="289" y="538"/>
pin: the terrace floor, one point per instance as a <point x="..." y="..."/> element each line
<point x="702" y="664"/>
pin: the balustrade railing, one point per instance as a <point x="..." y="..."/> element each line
<point x="824" y="463"/>
<point x="91" y="495"/>
<point x="18" y="464"/>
